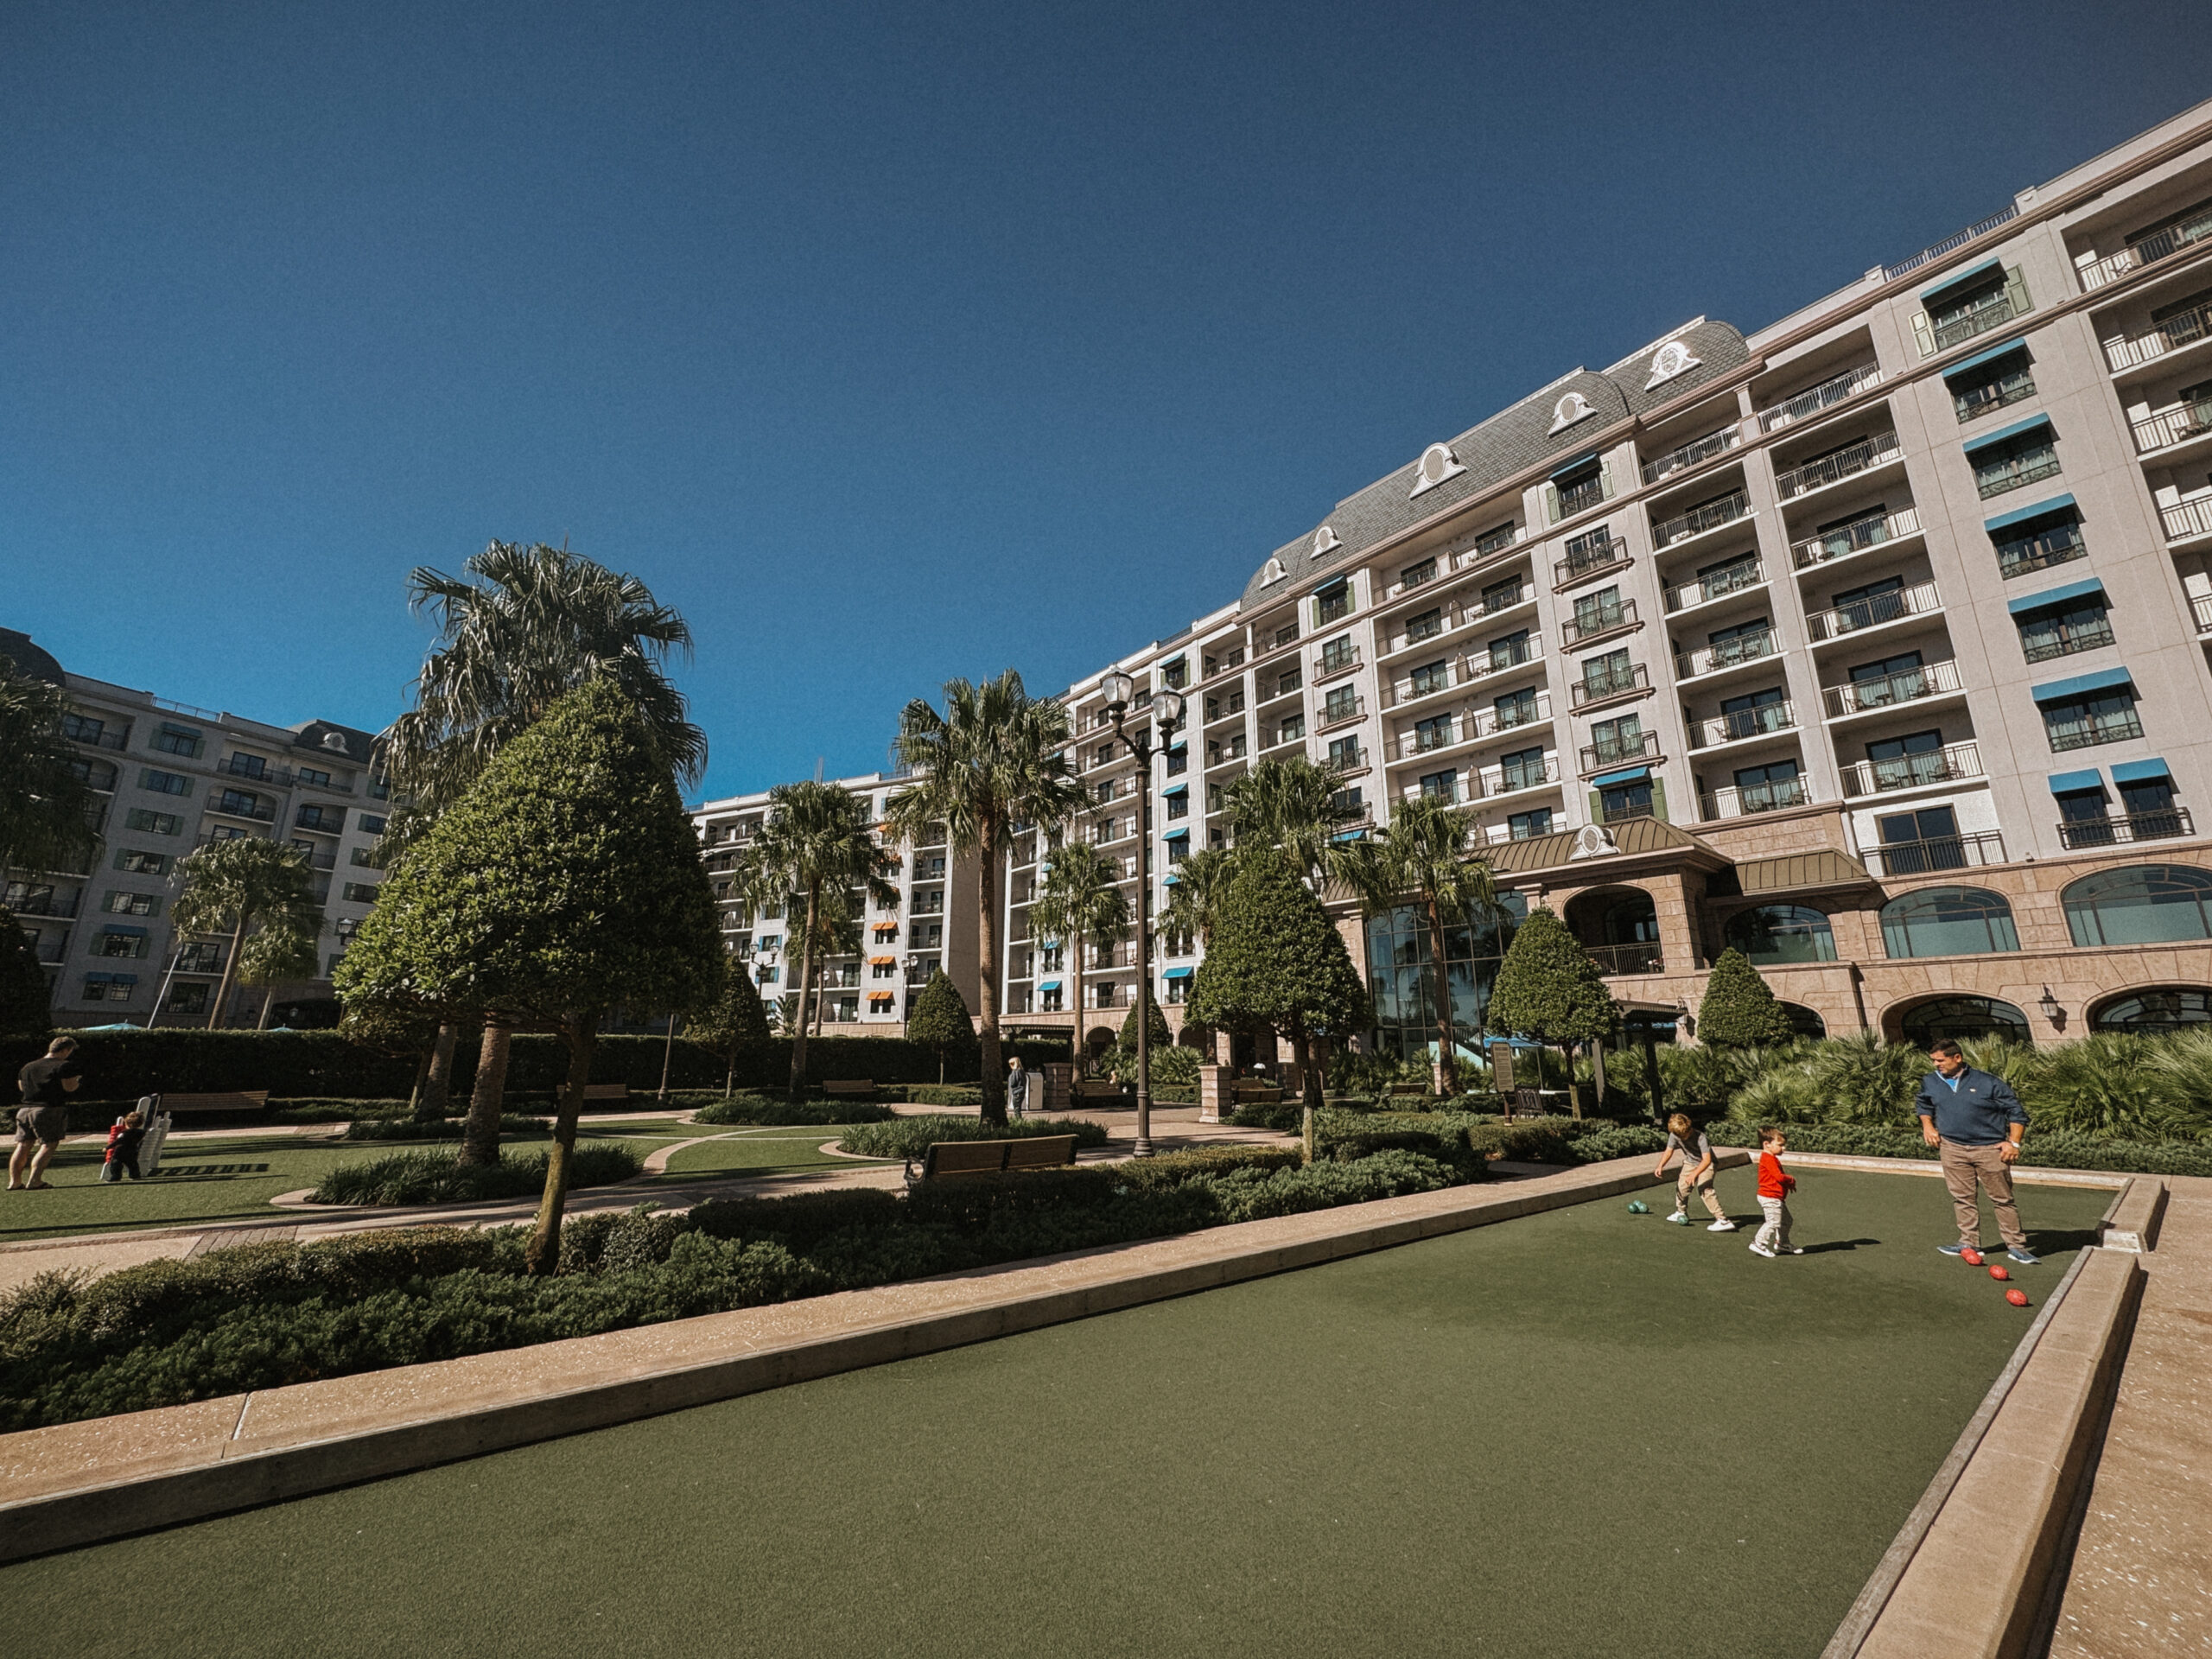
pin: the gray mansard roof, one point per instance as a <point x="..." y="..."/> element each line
<point x="1508" y="443"/>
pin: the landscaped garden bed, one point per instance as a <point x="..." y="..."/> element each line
<point x="431" y="1176"/>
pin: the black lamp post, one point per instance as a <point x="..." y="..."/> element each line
<point x="1168" y="715"/>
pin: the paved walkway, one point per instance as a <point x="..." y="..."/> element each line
<point x="2142" y="1578"/>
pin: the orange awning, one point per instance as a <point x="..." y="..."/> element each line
<point x="878" y="962"/>
<point x="878" y="996"/>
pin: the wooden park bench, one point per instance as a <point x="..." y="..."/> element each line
<point x="951" y="1161"/>
<point x="1102" y="1090"/>
<point x="1398" y="1089"/>
<point x="242" y="1100"/>
<point x="605" y="1092"/>
<point x="1258" y="1094"/>
<point x="848" y="1089"/>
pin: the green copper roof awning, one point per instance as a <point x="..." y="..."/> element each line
<point x="2080" y="685"/>
<point x="2004" y="521"/>
<point x="2140" y="772"/>
<point x="1966" y="279"/>
<point x="2067" y="783"/>
<point x="1627" y="775"/>
<point x="2018" y="343"/>
<point x="2005" y="434"/>
<point x="2055" y="596"/>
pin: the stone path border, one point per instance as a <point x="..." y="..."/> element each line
<point x="79" y="1483"/>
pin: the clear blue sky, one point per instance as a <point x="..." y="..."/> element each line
<point x="891" y="342"/>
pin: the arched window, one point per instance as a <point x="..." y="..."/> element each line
<point x="1960" y="1018"/>
<point x="1779" y="933"/>
<point x="1437" y="464"/>
<point x="1803" y="1021"/>
<point x="1948" y="922"/>
<point x="1271" y="572"/>
<point x="2152" y="1013"/>
<point x="2146" y="904"/>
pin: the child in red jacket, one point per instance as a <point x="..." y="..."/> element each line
<point x="1776" y="1184"/>
<point x="123" y="1143"/>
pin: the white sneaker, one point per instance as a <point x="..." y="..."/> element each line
<point x="1723" y="1226"/>
<point x="1795" y="1250"/>
<point x="1680" y="1216"/>
<point x="1759" y="1248"/>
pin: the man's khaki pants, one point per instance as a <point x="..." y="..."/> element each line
<point x="1965" y="1166"/>
<point x="1684" y="1186"/>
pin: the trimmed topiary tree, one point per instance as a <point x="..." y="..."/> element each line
<point x="24" y="1005"/>
<point x="566" y="883"/>
<point x="1278" y="965"/>
<point x="1548" y="989"/>
<point x="1739" y="1010"/>
<point x="1122" y="1061"/>
<point x="939" y="1017"/>
<point x="736" y="1021"/>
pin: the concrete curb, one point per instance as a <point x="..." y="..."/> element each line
<point x="2025" y="1174"/>
<point x="79" y="1482"/>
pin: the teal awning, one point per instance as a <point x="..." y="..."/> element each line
<point x="2006" y="434"/>
<point x="2080" y="685"/>
<point x="1177" y="835"/>
<point x="2056" y="503"/>
<point x="2055" y="596"/>
<point x="1966" y="279"/>
<point x="1582" y="462"/>
<point x="2140" y="772"/>
<point x="1628" y="775"/>
<point x="111" y="979"/>
<point x="2018" y="343"/>
<point x="1179" y="973"/>
<point x="1180" y="788"/>
<point x="1050" y="985"/>
<point x="2066" y="783"/>
<point x="126" y="928"/>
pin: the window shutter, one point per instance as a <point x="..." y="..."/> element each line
<point x="2016" y="291"/>
<point x="1596" y="807"/>
<point x="1551" y="502"/>
<point x="1659" y="800"/>
<point x="1922" y="335"/>
<point x="1605" y="479"/>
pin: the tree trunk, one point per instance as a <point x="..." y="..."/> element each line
<point x="543" y="1254"/>
<point x="1447" y="1070"/>
<point x="422" y="1083"/>
<point x="1309" y="1086"/>
<point x="805" y="978"/>
<point x="268" y="1001"/>
<point x="729" y="1077"/>
<point x="479" y="1135"/>
<point x="435" y="1100"/>
<point x="987" y="969"/>
<point x="1082" y="1049"/>
<point x="229" y="974"/>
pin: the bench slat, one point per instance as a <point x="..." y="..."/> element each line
<point x="951" y="1159"/>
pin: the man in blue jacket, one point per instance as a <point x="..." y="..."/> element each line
<point x="1976" y="1122"/>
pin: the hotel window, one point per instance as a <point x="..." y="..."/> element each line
<point x="1612" y="741"/>
<point x="1176" y="675"/>
<point x="136" y="863"/>
<point x="1607" y="673"/>
<point x="2064" y="627"/>
<point x="1526" y="826"/>
<point x="1414" y="575"/>
<point x="1426" y="625"/>
<point x="1434" y="733"/>
<point x="154" y="824"/>
<point x="1179" y="804"/>
<point x="1441" y="786"/>
<point x="1505" y="595"/>
<point x="1984" y="387"/>
<point x="1495" y="541"/>
<point x="1972" y="303"/>
<point x="1339" y="652"/>
<point x="1344" y="751"/>
<point x="1515" y="707"/>
<point x="1348" y="803"/>
<point x="164" y="783"/>
<point x="177" y="739"/>
<point x="1290" y="680"/>
<point x="1522" y="769"/>
<point x="1332" y="603"/>
<point x="1291" y="729"/>
<point x="1509" y="649"/>
<point x="1432" y="677"/>
<point x="1343" y="703"/>
<point x="2015" y="460"/>
<point x="119" y="903"/>
<point x="2104" y="716"/>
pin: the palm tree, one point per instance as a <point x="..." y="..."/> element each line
<point x="1195" y="901"/>
<point x="995" y="759"/>
<point x="815" y="848"/>
<point x="1078" y="904"/>
<point x="520" y="627"/>
<point x="1291" y="805"/>
<point x="48" y="808"/>
<point x="280" y="951"/>
<point x="233" y="887"/>
<point x="1424" y="854"/>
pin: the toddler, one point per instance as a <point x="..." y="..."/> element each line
<point x="1697" y="1173"/>
<point x="1776" y="1184"/>
<point x="122" y="1141"/>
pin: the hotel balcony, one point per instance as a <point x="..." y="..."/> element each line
<point x="1624" y="751"/>
<point x="2151" y="248"/>
<point x="1865" y="456"/>
<point x="1696" y="453"/>
<point x="1728" y="655"/>
<point x="1953" y="763"/>
<point x="2163" y="824"/>
<point x="1734" y="803"/>
<point x="1857" y="536"/>
<point x="1744" y="726"/>
<point x="1588" y="557"/>
<point x="2177" y="424"/>
<point x="1477" y="726"/>
<point x="1735" y="579"/>
<point x="1594" y="689"/>
<point x="2176" y="333"/>
<point x="1816" y="399"/>
<point x="2187" y="520"/>
<point x="1879" y="610"/>
<point x="2201" y="609"/>
<point x="1706" y="517"/>
<point x="1929" y="681"/>
<point x="1895" y="860"/>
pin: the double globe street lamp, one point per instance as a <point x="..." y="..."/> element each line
<point x="1167" y="714"/>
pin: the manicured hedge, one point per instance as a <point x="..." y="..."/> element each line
<point x="433" y="1177"/>
<point x="449" y="1128"/>
<point x="753" y="1106"/>
<point x="263" y="1315"/>
<point x="2043" y="1151"/>
<point x="910" y="1137"/>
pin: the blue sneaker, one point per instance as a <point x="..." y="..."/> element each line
<point x="2026" y="1257"/>
<point x="1950" y="1249"/>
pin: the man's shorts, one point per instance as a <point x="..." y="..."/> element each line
<point x="45" y="1123"/>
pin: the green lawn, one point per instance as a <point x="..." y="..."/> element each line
<point x="760" y="1152"/>
<point x="1578" y="1433"/>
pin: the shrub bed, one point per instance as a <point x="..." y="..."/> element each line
<point x="910" y="1137"/>
<point x="444" y="1129"/>
<point x="2043" y="1151"/>
<point x="750" y="1106"/>
<point x="434" y="1178"/>
<point x="263" y="1315"/>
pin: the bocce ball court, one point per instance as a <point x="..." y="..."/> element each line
<point x="1573" y="1432"/>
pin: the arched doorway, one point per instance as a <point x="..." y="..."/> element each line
<point x="1619" y="927"/>
<point x="1804" y="1021"/>
<point x="2155" y="1010"/>
<point x="1959" y="1018"/>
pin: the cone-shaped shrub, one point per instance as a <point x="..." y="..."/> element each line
<point x="1739" y="1010"/>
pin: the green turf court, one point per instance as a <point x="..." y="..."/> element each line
<point x="1578" y="1433"/>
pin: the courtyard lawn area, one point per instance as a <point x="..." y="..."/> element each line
<point x="1576" y="1433"/>
<point x="760" y="1152"/>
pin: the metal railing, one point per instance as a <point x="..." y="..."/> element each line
<point x="1601" y="554"/>
<point x="1506" y="780"/>
<point x="2090" y="636"/>
<point x="2187" y="518"/>
<point x="1709" y="515"/>
<point x="1418" y="575"/>
<point x="1958" y="240"/>
<point x="2121" y="727"/>
<point x="1591" y="621"/>
<point x="1952" y="763"/>
<point x="1336" y="662"/>
<point x="1854" y="538"/>
<point x="2200" y="608"/>
<point x="2149" y="251"/>
<point x="1696" y="450"/>
<point x="1902" y="858"/>
<point x="1729" y="654"/>
<point x="1216" y="709"/>
<point x="1596" y="757"/>
<point x="1498" y="604"/>
<point x="1861" y="457"/>
<point x="1234" y="657"/>
<point x="1994" y="312"/>
<point x="2016" y="472"/>
<point x="2183" y="328"/>
<point x="1873" y="612"/>
<point x="1744" y="724"/>
<point x="2058" y="545"/>
<point x="234" y="808"/>
<point x="1342" y="714"/>
<point x="1750" y="799"/>
<point x="1991" y="396"/>
<point x="1220" y="754"/>
<point x="1497" y="660"/>
<point x="1810" y="402"/>
<point x="2175" y="425"/>
<point x="60" y="906"/>
<point x="1445" y="733"/>
<point x="1346" y="762"/>
<point x="1615" y="960"/>
<point x="1913" y="686"/>
<point x="1600" y="688"/>
<point x="117" y="739"/>
<point x="1731" y="579"/>
<point x="2163" y="825"/>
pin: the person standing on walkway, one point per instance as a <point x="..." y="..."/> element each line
<point x="1017" y="1087"/>
<point x="43" y="1118"/>
<point x="1976" y="1124"/>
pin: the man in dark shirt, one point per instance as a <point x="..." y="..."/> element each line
<point x="1976" y="1124"/>
<point x="43" y="1118"/>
